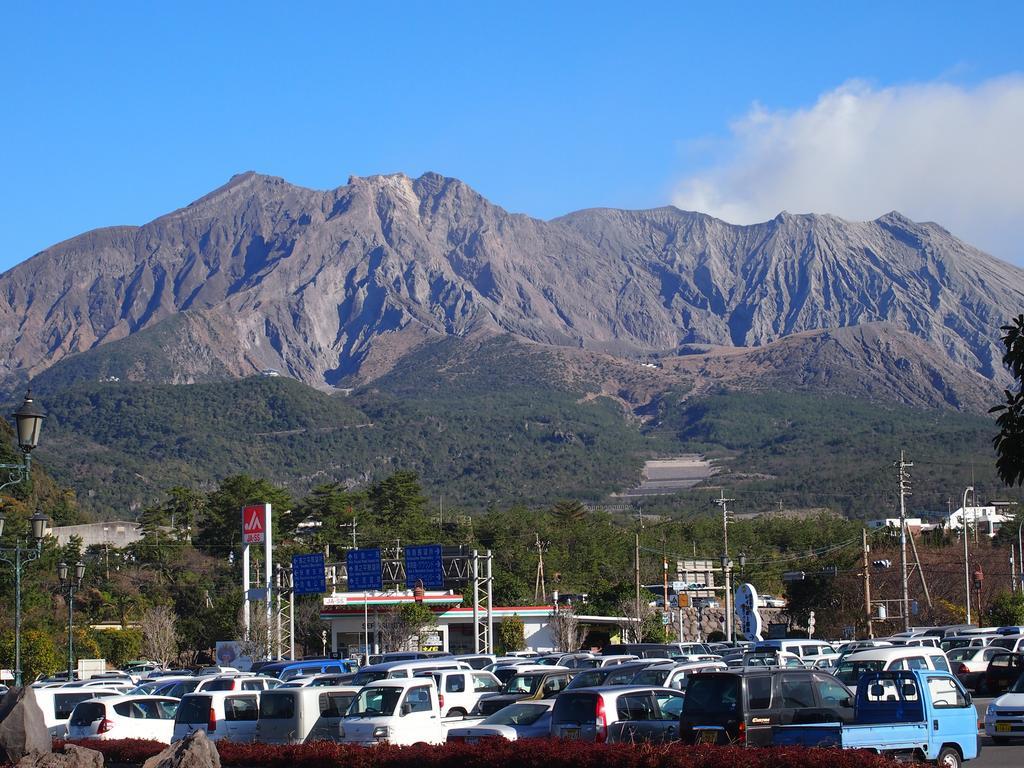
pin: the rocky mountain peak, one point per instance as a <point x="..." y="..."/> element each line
<point x="333" y="285"/>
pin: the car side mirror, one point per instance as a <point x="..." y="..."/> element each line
<point x="406" y="709"/>
<point x="847" y="702"/>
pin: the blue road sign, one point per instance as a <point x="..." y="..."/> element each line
<point x="308" y="574"/>
<point x="364" y="570"/>
<point x="424" y="564"/>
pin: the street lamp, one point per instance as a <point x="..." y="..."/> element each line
<point x="28" y="421"/>
<point x="967" y="571"/>
<point x="68" y="587"/>
<point x="18" y="556"/>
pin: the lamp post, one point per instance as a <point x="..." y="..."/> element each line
<point x="68" y="586"/>
<point x="18" y="556"/>
<point x="967" y="569"/>
<point x="28" y="420"/>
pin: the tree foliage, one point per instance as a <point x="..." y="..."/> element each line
<point x="1009" y="442"/>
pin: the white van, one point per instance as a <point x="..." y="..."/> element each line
<point x="229" y="715"/>
<point x="809" y="651"/>
<point x="854" y="665"/>
<point x="392" y="670"/>
<point x="298" y="715"/>
<point x="57" y="704"/>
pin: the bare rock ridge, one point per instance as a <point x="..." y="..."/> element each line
<point x="331" y="286"/>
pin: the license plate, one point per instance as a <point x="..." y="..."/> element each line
<point x="707" y="736"/>
<point x="571" y="733"/>
<point x="1003" y="728"/>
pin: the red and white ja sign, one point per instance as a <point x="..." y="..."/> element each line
<point x="254" y="523"/>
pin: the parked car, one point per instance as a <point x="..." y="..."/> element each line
<point x="673" y="676"/>
<point x="57" y="703"/>
<point x="770" y="601"/>
<point x="176" y="687"/>
<point x="124" y="717"/>
<point x="390" y="670"/>
<point x="969" y="664"/>
<point x="399" y="711"/>
<point x="531" y="683"/>
<point x="226" y="715"/>
<point x="605" y="660"/>
<point x="238" y="683"/>
<point x="298" y="715"/>
<point x="1013" y="643"/>
<point x="613" y="714"/>
<point x="908" y="715"/>
<point x="894" y="658"/>
<point x="1003" y="671"/>
<point x="1004" y="718"/>
<point x="521" y="720"/>
<point x="741" y="706"/>
<point x="459" y="690"/>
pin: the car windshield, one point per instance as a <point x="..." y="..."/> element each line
<point x="516" y="714"/>
<point x="959" y="642"/>
<point x="1018" y="687"/>
<point x="374" y="700"/>
<point x="960" y="654"/>
<point x="850" y="671"/>
<point x="524" y="684"/>
<point x="587" y="679"/>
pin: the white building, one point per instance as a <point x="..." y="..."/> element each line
<point x="989" y="519"/>
<point x="114" y="533"/>
<point x="345" y="612"/>
<point x="913" y="523"/>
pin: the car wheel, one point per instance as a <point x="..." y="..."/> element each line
<point x="948" y="758"/>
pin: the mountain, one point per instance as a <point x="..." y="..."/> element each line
<point x="335" y="288"/>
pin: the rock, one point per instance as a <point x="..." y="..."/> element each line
<point x="194" y="751"/>
<point x="22" y="728"/>
<point x="72" y="757"/>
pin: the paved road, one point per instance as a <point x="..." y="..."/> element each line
<point x="1005" y="755"/>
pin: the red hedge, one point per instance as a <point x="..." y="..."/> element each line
<point x="538" y="753"/>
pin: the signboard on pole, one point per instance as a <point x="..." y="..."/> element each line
<point x="747" y="615"/>
<point x="308" y="574"/>
<point x="423" y="564"/>
<point x="254" y="523"/>
<point x="364" y="570"/>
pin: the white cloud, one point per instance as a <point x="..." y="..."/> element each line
<point x="935" y="152"/>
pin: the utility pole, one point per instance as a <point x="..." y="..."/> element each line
<point x="920" y="570"/>
<point x="539" y="590"/>
<point x="353" y="526"/>
<point x="723" y="502"/>
<point x="867" y="581"/>
<point x="904" y="478"/>
<point x="636" y="574"/>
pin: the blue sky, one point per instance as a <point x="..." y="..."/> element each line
<point x="115" y="113"/>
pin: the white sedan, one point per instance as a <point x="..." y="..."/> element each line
<point x="522" y="720"/>
<point x="124" y="717"/>
<point x="1004" y="718"/>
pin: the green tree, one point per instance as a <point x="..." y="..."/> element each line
<point x="398" y="505"/>
<point x="511" y="634"/>
<point x="1009" y="442"/>
<point x="1006" y="609"/>
<point x="39" y="653"/>
<point x="221" y="526"/>
<point x="120" y="646"/>
<point x="418" y="620"/>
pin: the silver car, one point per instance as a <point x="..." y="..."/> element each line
<point x="619" y="714"/>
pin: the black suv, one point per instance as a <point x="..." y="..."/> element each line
<point x="740" y="707"/>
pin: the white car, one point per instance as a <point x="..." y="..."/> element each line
<point x="1004" y="718"/>
<point x="770" y="601"/>
<point x="460" y="690"/>
<point x="228" y="715"/>
<point x="124" y="717"/>
<point x="521" y="720"/>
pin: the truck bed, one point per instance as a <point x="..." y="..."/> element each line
<point x="895" y="737"/>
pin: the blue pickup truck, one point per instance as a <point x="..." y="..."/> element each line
<point x="919" y="715"/>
